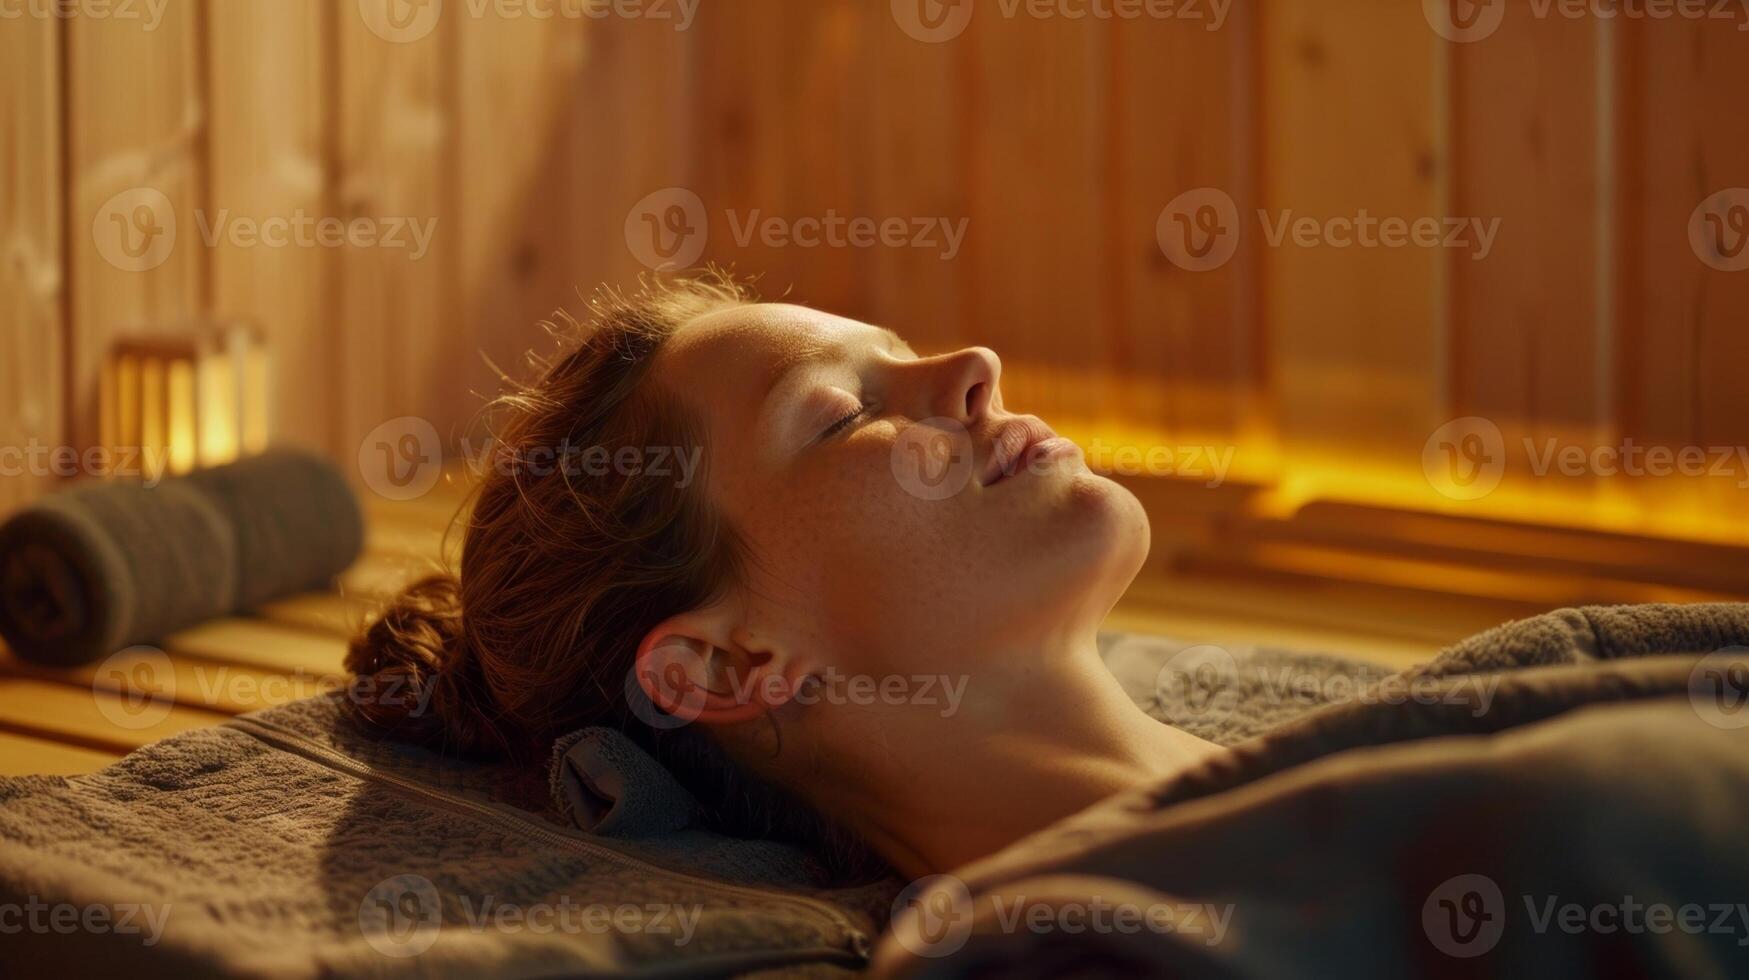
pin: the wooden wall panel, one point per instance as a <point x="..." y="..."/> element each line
<point x="269" y="159"/>
<point x="1038" y="253"/>
<point x="31" y="274"/>
<point x="626" y="134"/>
<point x="517" y="181"/>
<point x="1187" y="340"/>
<point x="916" y="145"/>
<point x="1527" y="329"/>
<point x="1525" y="150"/>
<point x="398" y="333"/>
<point x="1682" y="333"/>
<point x="777" y="116"/>
<point x="136" y="162"/>
<point x="1354" y="334"/>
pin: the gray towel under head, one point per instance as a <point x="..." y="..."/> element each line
<point x="113" y="563"/>
<point x="608" y="785"/>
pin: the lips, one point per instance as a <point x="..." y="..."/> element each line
<point x="1010" y="444"/>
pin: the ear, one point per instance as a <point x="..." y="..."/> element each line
<point x="698" y="666"/>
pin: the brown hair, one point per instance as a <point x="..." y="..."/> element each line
<point x="564" y="569"/>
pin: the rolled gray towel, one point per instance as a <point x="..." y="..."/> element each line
<point x="110" y="564"/>
<point x="297" y="523"/>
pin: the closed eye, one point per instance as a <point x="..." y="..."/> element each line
<point x="844" y="423"/>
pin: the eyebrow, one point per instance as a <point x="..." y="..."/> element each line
<point x="819" y="354"/>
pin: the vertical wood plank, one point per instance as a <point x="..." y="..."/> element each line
<point x="1684" y="137"/>
<point x="1038" y="251"/>
<point x="1186" y="341"/>
<point x="1525" y="322"/>
<point x="758" y="159"/>
<point x="914" y="139"/>
<point x="136" y="165"/>
<point x="516" y="180"/>
<point x="31" y="275"/>
<point x="1353" y="332"/>
<point x="396" y="329"/>
<point x="269" y="158"/>
<point x="626" y="135"/>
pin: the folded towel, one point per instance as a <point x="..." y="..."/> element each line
<point x="607" y="784"/>
<point x="109" y="564"/>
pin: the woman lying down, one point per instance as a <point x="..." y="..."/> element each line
<point x="837" y="510"/>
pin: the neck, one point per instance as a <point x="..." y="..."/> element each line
<point x="935" y="790"/>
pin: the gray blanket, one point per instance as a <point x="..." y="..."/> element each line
<point x="1563" y="796"/>
<point x="288" y="844"/>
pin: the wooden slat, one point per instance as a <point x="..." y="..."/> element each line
<point x="135" y="125"/>
<point x="269" y="158"/>
<point x="22" y="755"/>
<point x="320" y="612"/>
<point x="1681" y="321"/>
<point x="1186" y="341"/>
<point x="397" y="313"/>
<point x="228" y="688"/>
<point x="1527" y="327"/>
<point x="262" y="645"/>
<point x="92" y="719"/>
<point x="744" y="138"/>
<point x="1352" y="332"/>
<point x="1038" y="252"/>
<point x="381" y="576"/>
<point x="916" y="145"/>
<point x="526" y="81"/>
<point x="31" y="273"/>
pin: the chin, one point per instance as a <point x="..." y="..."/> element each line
<point x="1113" y="526"/>
<point x="1088" y="550"/>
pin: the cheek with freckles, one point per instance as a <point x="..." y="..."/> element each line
<point x="841" y="536"/>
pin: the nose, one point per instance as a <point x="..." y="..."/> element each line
<point x="964" y="384"/>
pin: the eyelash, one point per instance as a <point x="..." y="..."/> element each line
<point x="842" y="423"/>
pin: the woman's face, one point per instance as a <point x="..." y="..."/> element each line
<point x="892" y="508"/>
